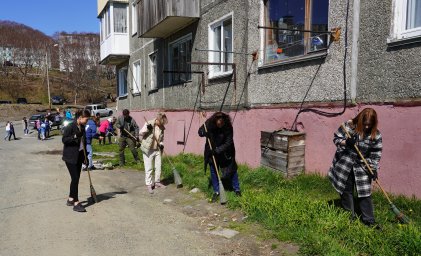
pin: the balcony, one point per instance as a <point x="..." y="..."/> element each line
<point x="161" y="18"/>
<point x="115" y="49"/>
<point x="114" y="32"/>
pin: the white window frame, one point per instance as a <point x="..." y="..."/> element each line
<point x="134" y="19"/>
<point x="398" y="29"/>
<point x="137" y="77"/>
<point x="170" y="46"/>
<point x="127" y="20"/>
<point x="153" y="79"/>
<point x="211" y="37"/>
<point x="121" y="92"/>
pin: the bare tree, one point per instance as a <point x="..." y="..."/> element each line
<point x="79" y="58"/>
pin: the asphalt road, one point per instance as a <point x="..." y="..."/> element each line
<point x="34" y="219"/>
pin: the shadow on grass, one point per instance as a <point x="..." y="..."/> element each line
<point x="102" y="197"/>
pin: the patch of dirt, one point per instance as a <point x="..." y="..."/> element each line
<point x="253" y="239"/>
<point x="50" y="152"/>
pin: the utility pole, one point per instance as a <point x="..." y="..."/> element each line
<point x="48" y="80"/>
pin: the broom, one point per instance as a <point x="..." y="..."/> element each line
<point x="177" y="178"/>
<point x="222" y="196"/>
<point x="93" y="193"/>
<point x="399" y="215"/>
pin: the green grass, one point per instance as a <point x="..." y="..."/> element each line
<point x="302" y="210"/>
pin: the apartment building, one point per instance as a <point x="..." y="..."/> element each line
<point x="265" y="60"/>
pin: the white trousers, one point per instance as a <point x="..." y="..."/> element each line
<point x="151" y="159"/>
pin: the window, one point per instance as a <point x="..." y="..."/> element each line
<point x="101" y="28"/>
<point x="134" y="19"/>
<point x="122" y="82"/>
<point x="407" y="19"/>
<point x="153" y="71"/>
<point x="136" y="77"/>
<point x="108" y="22"/>
<point x="220" y="42"/>
<point x="311" y="15"/>
<point x="179" y="57"/>
<point x="120" y="18"/>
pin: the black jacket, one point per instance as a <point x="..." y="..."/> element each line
<point x="222" y="140"/>
<point x="71" y="143"/>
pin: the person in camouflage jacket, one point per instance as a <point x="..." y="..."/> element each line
<point x="349" y="171"/>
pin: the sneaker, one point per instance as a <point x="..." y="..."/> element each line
<point x="238" y="193"/>
<point x="79" y="208"/>
<point x="215" y="197"/>
<point x="69" y="203"/>
<point x="150" y="190"/>
<point x="159" y="185"/>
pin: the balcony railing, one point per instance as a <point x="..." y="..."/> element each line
<point x="115" y="49"/>
<point x="161" y="18"/>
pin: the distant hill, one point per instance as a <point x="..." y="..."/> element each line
<point x="18" y="35"/>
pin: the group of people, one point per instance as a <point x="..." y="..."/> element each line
<point x="43" y="127"/>
<point x="346" y="173"/>
<point x="10" y="131"/>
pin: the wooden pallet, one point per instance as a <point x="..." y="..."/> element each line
<point x="283" y="151"/>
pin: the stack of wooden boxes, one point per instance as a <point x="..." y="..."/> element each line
<point x="283" y="151"/>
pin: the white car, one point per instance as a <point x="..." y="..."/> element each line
<point x="99" y="108"/>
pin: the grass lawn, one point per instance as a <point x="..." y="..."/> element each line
<point x="304" y="210"/>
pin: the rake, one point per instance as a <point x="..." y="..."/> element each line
<point x="177" y="178"/>
<point x="222" y="195"/>
<point x="399" y="215"/>
<point x="91" y="187"/>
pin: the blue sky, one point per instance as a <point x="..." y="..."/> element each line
<point x="50" y="16"/>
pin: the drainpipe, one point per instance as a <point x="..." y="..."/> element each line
<point x="355" y="49"/>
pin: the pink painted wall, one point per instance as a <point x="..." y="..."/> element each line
<point x="401" y="128"/>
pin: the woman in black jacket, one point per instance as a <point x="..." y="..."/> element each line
<point x="221" y="134"/>
<point x="73" y="154"/>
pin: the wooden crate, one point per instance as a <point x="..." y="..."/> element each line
<point x="283" y="151"/>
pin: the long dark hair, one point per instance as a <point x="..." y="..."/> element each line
<point x="212" y="120"/>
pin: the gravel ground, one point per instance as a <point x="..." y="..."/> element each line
<point x="34" y="219"/>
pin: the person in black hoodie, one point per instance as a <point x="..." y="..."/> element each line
<point x="73" y="154"/>
<point x="221" y="134"/>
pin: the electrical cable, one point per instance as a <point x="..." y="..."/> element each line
<point x="319" y="112"/>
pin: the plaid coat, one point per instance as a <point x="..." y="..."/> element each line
<point x="347" y="160"/>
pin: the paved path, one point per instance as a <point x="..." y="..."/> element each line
<point x="34" y="219"/>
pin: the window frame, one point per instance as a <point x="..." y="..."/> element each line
<point x="179" y="41"/>
<point x="137" y="77"/>
<point x="211" y="40"/>
<point x="134" y="19"/>
<point x="121" y="92"/>
<point x="113" y="28"/>
<point x="399" y="20"/>
<point x="151" y="78"/>
<point x="308" y="54"/>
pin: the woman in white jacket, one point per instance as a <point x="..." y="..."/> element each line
<point x="152" y="146"/>
<point x="7" y="130"/>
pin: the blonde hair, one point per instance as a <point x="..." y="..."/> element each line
<point x="162" y="118"/>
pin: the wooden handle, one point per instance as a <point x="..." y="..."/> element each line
<point x="366" y="164"/>
<point x="213" y="157"/>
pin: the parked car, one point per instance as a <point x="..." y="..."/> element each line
<point x="56" y="119"/>
<point x="99" y="108"/>
<point x="57" y="100"/>
<point x="34" y="118"/>
<point x="5" y="102"/>
<point x="21" y="101"/>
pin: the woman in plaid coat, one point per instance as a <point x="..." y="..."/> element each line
<point x="348" y="170"/>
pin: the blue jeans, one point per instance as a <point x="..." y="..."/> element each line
<point x="215" y="183"/>
<point x="90" y="154"/>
